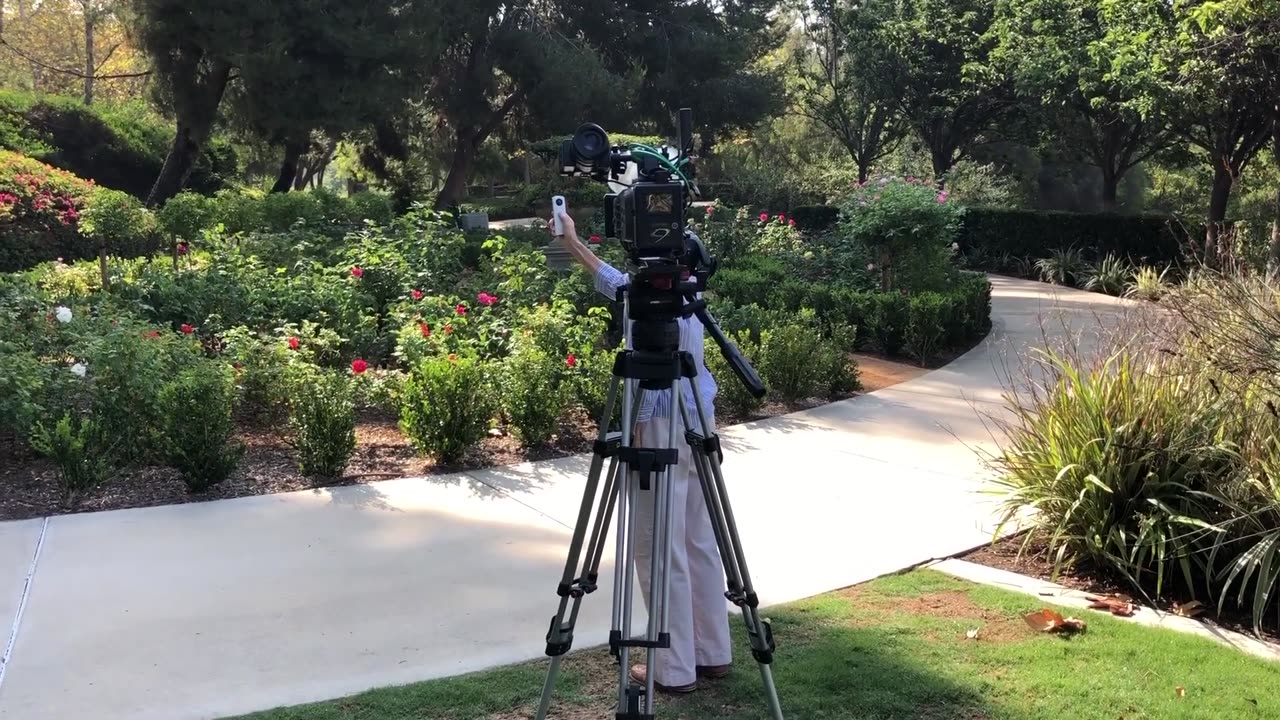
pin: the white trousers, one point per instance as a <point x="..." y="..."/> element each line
<point x="698" y="616"/>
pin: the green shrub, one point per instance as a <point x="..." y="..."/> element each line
<point x="117" y="221"/>
<point x="749" y="280"/>
<point x="40" y="207"/>
<point x="928" y="316"/>
<point x="127" y="365"/>
<point x="1108" y="276"/>
<point x="1121" y="458"/>
<point x="589" y="380"/>
<point x="446" y="406"/>
<point x="534" y="393"/>
<point x="890" y="313"/>
<point x="837" y="372"/>
<point x="185" y="216"/>
<point x="731" y="394"/>
<point x="971" y="319"/>
<point x="909" y="227"/>
<point x="1064" y="266"/>
<point x="197" y="410"/>
<point x="1148" y="284"/>
<point x="82" y="452"/>
<point x="22" y="384"/>
<point x="322" y="418"/>
<point x="116" y="147"/>
<point x="787" y="354"/>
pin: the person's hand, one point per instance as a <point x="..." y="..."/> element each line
<point x="566" y="222"/>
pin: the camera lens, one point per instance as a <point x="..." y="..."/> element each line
<point x="589" y="144"/>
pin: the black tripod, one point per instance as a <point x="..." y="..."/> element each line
<point x="655" y="364"/>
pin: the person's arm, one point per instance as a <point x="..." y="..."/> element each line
<point x="607" y="278"/>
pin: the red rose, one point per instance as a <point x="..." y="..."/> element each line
<point x="782" y="218"/>
<point x="764" y="217"/>
<point x="594" y="239"/>
<point x="461" y="309"/>
<point x="182" y="248"/>
<point x="358" y="366"/>
<point x="711" y="209"/>
<point x="294" y="343"/>
<point x="356" y="272"/>
<point x="571" y="360"/>
<point x="425" y="328"/>
<point x="486" y="299"/>
<point x="791" y="222"/>
<point x="186" y="329"/>
<point x="415" y="294"/>
<point x="448" y="329"/>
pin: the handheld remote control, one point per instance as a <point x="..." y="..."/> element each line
<point x="558" y="209"/>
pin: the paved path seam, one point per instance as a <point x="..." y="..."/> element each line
<point x="12" y="642"/>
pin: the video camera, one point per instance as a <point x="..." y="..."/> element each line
<point x="647" y="214"/>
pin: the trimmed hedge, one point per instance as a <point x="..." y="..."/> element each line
<point x="815" y="218"/>
<point x="883" y="319"/>
<point x="114" y="148"/>
<point x="1149" y="239"/>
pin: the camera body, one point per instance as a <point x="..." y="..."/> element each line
<point x="647" y="213"/>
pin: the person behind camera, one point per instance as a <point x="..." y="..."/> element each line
<point x="698" y="617"/>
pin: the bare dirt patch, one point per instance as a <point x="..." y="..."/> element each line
<point x="992" y="625"/>
<point x="877" y="373"/>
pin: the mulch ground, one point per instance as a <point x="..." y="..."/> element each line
<point x="1035" y="561"/>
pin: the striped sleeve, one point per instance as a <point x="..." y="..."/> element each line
<point x="608" y="280"/>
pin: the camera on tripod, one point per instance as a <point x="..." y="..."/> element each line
<point x="648" y="213"/>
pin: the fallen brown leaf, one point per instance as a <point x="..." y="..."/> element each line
<point x="1047" y="620"/>
<point x="1121" y="605"/>
<point x="1180" y="691"/>
<point x="1188" y="609"/>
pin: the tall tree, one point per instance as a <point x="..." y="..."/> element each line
<point x="842" y="81"/>
<point x="1223" y="93"/>
<point x="622" y="62"/>
<point x="1064" y="54"/>
<point x="948" y="90"/>
<point x="296" y="67"/>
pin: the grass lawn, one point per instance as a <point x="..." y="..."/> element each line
<point x="894" y="648"/>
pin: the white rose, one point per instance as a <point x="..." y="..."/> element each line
<point x="79" y="369"/>
<point x="63" y="313"/>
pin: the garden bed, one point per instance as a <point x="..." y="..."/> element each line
<point x="1037" y="562"/>
<point x="29" y="487"/>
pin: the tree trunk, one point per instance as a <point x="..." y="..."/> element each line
<point x="864" y="171"/>
<point x="455" y="184"/>
<point x="1273" y="257"/>
<point x="187" y="144"/>
<point x="1218" y="199"/>
<point x="289" y="167"/>
<point x="942" y="164"/>
<point x="1110" y="185"/>
<point x="195" y="122"/>
<point x="89" y="60"/>
<point x="528" y="169"/>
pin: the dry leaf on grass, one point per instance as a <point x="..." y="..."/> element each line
<point x="1188" y="609"/>
<point x="1180" y="691"/>
<point x="1121" y="605"/>
<point x="1047" y="620"/>
<point x="973" y="634"/>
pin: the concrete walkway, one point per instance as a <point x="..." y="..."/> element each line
<point x="210" y="609"/>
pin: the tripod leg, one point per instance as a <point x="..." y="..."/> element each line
<point x="572" y="588"/>
<point x="706" y="449"/>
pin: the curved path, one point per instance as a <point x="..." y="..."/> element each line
<point x="210" y="609"/>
